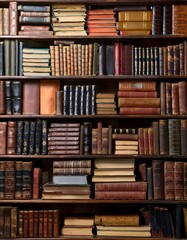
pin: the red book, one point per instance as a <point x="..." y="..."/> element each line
<point x="137" y="94"/>
<point x="121" y="186"/>
<point x="169" y="192"/>
<point x="100" y="11"/>
<point x="36" y="183"/>
<point x="139" y="111"/>
<point x="114" y="195"/>
<point x="101" y="16"/>
<point x="117" y="57"/>
<point x="101" y="29"/>
<point x="183" y="97"/>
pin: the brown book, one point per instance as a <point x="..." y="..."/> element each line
<point x="31" y="97"/>
<point x="57" y="60"/>
<point x="7" y="222"/>
<point x="140" y="16"/>
<point x="2" y="178"/>
<point x="36" y="183"/>
<point x="121" y="186"/>
<point x="14" y="222"/>
<point x="65" y="152"/>
<point x="11" y="137"/>
<point x="139" y="102"/>
<point x="117" y="220"/>
<point x="33" y="28"/>
<point x="2" y="98"/>
<point x="45" y="223"/>
<point x="20" y="223"/>
<point x="183" y="134"/>
<point x="72" y="164"/>
<point x="99" y="138"/>
<point x="139" y="111"/>
<point x="64" y="142"/>
<point x="124" y="195"/>
<point x="146" y="141"/>
<point x="125" y="136"/>
<point x="141" y="141"/>
<point x="18" y="179"/>
<point x="163" y="98"/>
<point x="137" y="85"/>
<point x="182" y="97"/>
<point x="47" y="101"/>
<point x="169" y="180"/>
<point x="9" y="179"/>
<point x="151" y="140"/>
<point x="76" y="231"/>
<point x="156" y="137"/>
<point x="168" y="98"/>
<point x="179" y="180"/>
<point x="122" y="25"/>
<point x="170" y="51"/>
<point x="36" y="224"/>
<point x="27" y="180"/>
<point x="13" y="13"/>
<point x="52" y="57"/>
<point x="185" y="181"/>
<point x="41" y="224"/>
<point x="50" y="223"/>
<point x="55" y="223"/>
<point x="158" y="179"/>
<point x="6" y="21"/>
<point x="142" y="173"/>
<point x="3" y="138"/>
<point x="31" y="223"/>
<point x="163" y="137"/>
<point x="111" y="163"/>
<point x="137" y="94"/>
<point x="59" y="102"/>
<point x="25" y="223"/>
<point x="72" y="171"/>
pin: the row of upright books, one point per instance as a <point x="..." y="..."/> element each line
<point x="67" y="58"/>
<point x="163" y="137"/>
<point x="78" y="20"/>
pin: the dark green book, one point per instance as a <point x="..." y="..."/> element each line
<point x="32" y="137"/>
<point x="38" y="136"/>
<point x="26" y="128"/>
<point x="44" y="137"/>
<point x="19" y="139"/>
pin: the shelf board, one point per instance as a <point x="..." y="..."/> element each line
<point x="52" y="157"/>
<point x="90" y="201"/>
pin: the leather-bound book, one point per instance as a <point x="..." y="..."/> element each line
<point x="139" y="102"/>
<point x="36" y="224"/>
<point x="105" y="139"/>
<point x="141" y="141"/>
<point x="174" y="129"/>
<point x="8" y="96"/>
<point x="36" y="183"/>
<point x="3" y="138"/>
<point x="181" y="58"/>
<point x="72" y="98"/>
<point x="168" y="98"/>
<point x="95" y="65"/>
<point x="151" y="140"/>
<point x="156" y="137"/>
<point x="185" y="181"/>
<point x="183" y="133"/>
<point x="18" y="179"/>
<point x="17" y="97"/>
<point x="110" y="60"/>
<point x="117" y="220"/>
<point x="7" y="222"/>
<point x="87" y="138"/>
<point x="72" y="171"/>
<point x="27" y="180"/>
<point x="167" y="19"/>
<point x="9" y="179"/>
<point x="11" y="137"/>
<point x="142" y="172"/>
<point x="99" y="138"/>
<point x="48" y="91"/>
<point x="2" y="98"/>
<point x="158" y="179"/>
<point x="32" y="132"/>
<point x="182" y="97"/>
<point x="66" y="90"/>
<point x="163" y="136"/>
<point x="179" y="224"/>
<point x="117" y="195"/>
<point x="179" y="180"/>
<point x="157" y="19"/>
<point x="169" y="192"/>
<point x="178" y="19"/>
<point x="38" y="136"/>
<point x="14" y="222"/>
<point x="31" y="224"/>
<point x="137" y="85"/>
<point x="72" y="164"/>
<point x="44" y="138"/>
<point x="25" y="223"/>
<point x="121" y="186"/>
<point x="176" y="63"/>
<point x="20" y="223"/>
<point x="59" y="102"/>
<point x="45" y="222"/>
<point x="2" y="179"/>
<point x="41" y="224"/>
<point x="26" y="129"/>
<point x="50" y="223"/>
<point x="2" y="58"/>
<point x="170" y="50"/>
<point x="19" y="137"/>
<point x="31" y="97"/>
<point x="146" y="141"/>
<point x="102" y="59"/>
<point x="6" y="21"/>
<point x="150" y="191"/>
<point x="55" y="223"/>
<point x="129" y="60"/>
<point x="175" y="98"/>
<point x="161" y="60"/>
<point x="13" y="12"/>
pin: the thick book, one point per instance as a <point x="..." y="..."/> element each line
<point x="138" y="102"/>
<point x="124" y="178"/>
<point x="158" y="179"/>
<point x="117" y="163"/>
<point x="137" y="85"/>
<point x="71" y="179"/>
<point x="117" y="220"/>
<point x="3" y="133"/>
<point x="11" y="137"/>
<point x="121" y="186"/>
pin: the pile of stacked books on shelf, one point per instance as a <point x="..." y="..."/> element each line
<point x="121" y="226"/>
<point x="36" y="61"/>
<point x="68" y="19"/>
<point x="134" y="20"/>
<point x="125" y="141"/>
<point x="34" y="20"/>
<point x="70" y="180"/>
<point x="78" y="226"/>
<point x="101" y="22"/>
<point x="105" y="103"/>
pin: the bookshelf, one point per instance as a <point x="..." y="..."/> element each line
<point x="38" y="217"/>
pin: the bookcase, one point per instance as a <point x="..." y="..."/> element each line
<point x="103" y="106"/>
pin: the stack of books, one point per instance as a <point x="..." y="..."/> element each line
<point x="64" y="138"/>
<point x="105" y="103"/>
<point x="113" y="170"/>
<point x="101" y="22"/>
<point x="69" y="181"/>
<point x="78" y="226"/>
<point x="133" y="21"/>
<point x="34" y="20"/>
<point x="138" y="97"/>
<point x="69" y="19"/>
<point x="35" y="61"/>
<point x="125" y="141"/>
<point x="121" y="226"/>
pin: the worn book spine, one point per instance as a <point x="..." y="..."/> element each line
<point x="31" y="223"/>
<point x="150" y="191"/>
<point x="183" y="133"/>
<point x="163" y="137"/>
<point x="6" y="21"/>
<point x="45" y="221"/>
<point x="3" y="138"/>
<point x="9" y="179"/>
<point x="2" y="179"/>
<point x="117" y="220"/>
<point x="50" y="223"/>
<point x="137" y="85"/>
<point x="38" y="136"/>
<point x="55" y="223"/>
<point x="36" y="183"/>
<point x="16" y="97"/>
<point x="7" y="222"/>
<point x="167" y="19"/>
<point x="13" y="13"/>
<point x="8" y="97"/>
<point x="158" y="179"/>
<point x="175" y="98"/>
<point x="169" y="192"/>
<point x="121" y="186"/>
<point x="27" y="180"/>
<point x="138" y="102"/>
<point x="25" y="145"/>
<point x="19" y="137"/>
<point x="20" y="223"/>
<point x="25" y="223"/>
<point x="14" y="222"/>
<point x="72" y="171"/>
<point x="179" y="180"/>
<point x="113" y="195"/>
<point x="59" y="102"/>
<point x="72" y="164"/>
<point x="141" y="141"/>
<point x="157" y="20"/>
<point x="102" y="60"/>
<point x="36" y="224"/>
<point x="41" y="224"/>
<point x="87" y="138"/>
<point x="2" y="98"/>
<point x="156" y="137"/>
<point x="174" y="139"/>
<point x="11" y="137"/>
<point x="18" y="179"/>
<point x="182" y="97"/>
<point x="44" y="138"/>
<point x="32" y="131"/>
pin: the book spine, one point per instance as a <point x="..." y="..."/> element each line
<point x="130" y="195"/>
<point x="2" y="179"/>
<point x="158" y="179"/>
<point x="169" y="180"/>
<point x="18" y="179"/>
<point x="36" y="183"/>
<point x="11" y="137"/>
<point x="13" y="13"/>
<point x="27" y="180"/>
<point x="2" y="97"/>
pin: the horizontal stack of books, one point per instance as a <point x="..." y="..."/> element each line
<point x="70" y="180"/>
<point x="69" y="19"/>
<point x="105" y="103"/>
<point x="101" y="22"/>
<point x="34" y="20"/>
<point x="78" y="226"/>
<point x="36" y="61"/>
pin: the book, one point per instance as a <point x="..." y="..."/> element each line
<point x="124" y="178"/>
<point x="124" y="195"/>
<point x="117" y="220"/>
<point x="110" y="163"/>
<point x="76" y="231"/>
<point x="82" y="221"/>
<point x="71" y="179"/>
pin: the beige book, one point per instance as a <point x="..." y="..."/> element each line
<point x="71" y="33"/>
<point x="52" y="55"/>
<point x="68" y="24"/>
<point x="114" y="163"/>
<point x="36" y="74"/>
<point x="33" y="60"/>
<point x="69" y="14"/>
<point x="113" y="233"/>
<point x="123" y="178"/>
<point x="65" y="196"/>
<point x="105" y="95"/>
<point x="126" y="143"/>
<point x="130" y="152"/>
<point x="69" y="19"/>
<point x="68" y="6"/>
<point x="48" y="89"/>
<point x="36" y="50"/>
<point x="113" y="172"/>
<point x="34" y="64"/>
<point x="81" y="221"/>
<point x="141" y="228"/>
<point x="76" y="231"/>
<point x="126" y="147"/>
<point x="36" y="55"/>
<point x="64" y="28"/>
<point x="57" y="60"/>
<point x="37" y="69"/>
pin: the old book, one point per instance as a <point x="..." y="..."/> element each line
<point x="156" y="138"/>
<point x="13" y="15"/>
<point x="71" y="171"/>
<point x="117" y="220"/>
<point x="157" y="19"/>
<point x="54" y="195"/>
<point x="41" y="223"/>
<point x="48" y="101"/>
<point x="182" y="97"/>
<point x="9" y="179"/>
<point x="44" y="137"/>
<point x="82" y="221"/>
<point x="133" y="94"/>
<point x="35" y="223"/>
<point x="137" y="85"/>
<point x="31" y="223"/>
<point x="124" y="195"/>
<point x="158" y="179"/>
<point x="38" y="136"/>
<point x="20" y="223"/>
<point x="136" y="15"/>
<point x="31" y="96"/>
<point x="2" y="179"/>
<point x="124" y="178"/>
<point x="2" y="98"/>
<point x="125" y="136"/>
<point x="49" y="187"/>
<point x="150" y="194"/>
<point x="27" y="180"/>
<point x="179" y="180"/>
<point x="25" y="144"/>
<point x="36" y="183"/>
<point x="169" y="192"/>
<point x="7" y="222"/>
<point x="163" y="98"/>
<point x="19" y="135"/>
<point x="71" y="179"/>
<point x="3" y="133"/>
<point x="138" y="102"/>
<point x="121" y="186"/>
<point x="18" y="179"/>
<point x="118" y="163"/>
<point x="14" y="222"/>
<point x="76" y="231"/>
<point x="72" y="164"/>
<point x="163" y="137"/>
<point x="138" y="25"/>
<point x="11" y="137"/>
<point x="124" y="233"/>
<point x="174" y="140"/>
<point x="183" y="133"/>
<point x="113" y="172"/>
<point x="167" y="19"/>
